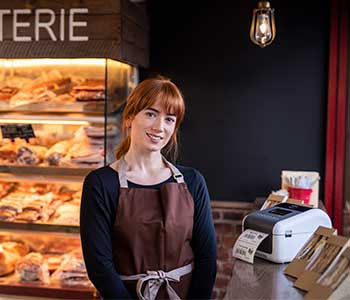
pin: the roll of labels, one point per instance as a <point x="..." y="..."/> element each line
<point x="247" y="244"/>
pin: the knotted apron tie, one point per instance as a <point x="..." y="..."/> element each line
<point x="155" y="279"/>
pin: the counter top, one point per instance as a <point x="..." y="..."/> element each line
<point x="262" y="280"/>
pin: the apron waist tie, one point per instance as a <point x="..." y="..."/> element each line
<point x="155" y="279"/>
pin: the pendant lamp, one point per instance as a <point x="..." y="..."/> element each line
<point x="262" y="29"/>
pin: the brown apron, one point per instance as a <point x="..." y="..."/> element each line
<point x="152" y="236"/>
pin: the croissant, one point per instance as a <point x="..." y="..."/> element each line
<point x="56" y="152"/>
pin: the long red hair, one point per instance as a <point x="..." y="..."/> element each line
<point x="144" y="96"/>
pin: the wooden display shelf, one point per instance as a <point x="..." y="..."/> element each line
<point x="43" y="170"/>
<point x="92" y="107"/>
<point x="17" y="226"/>
<point x="9" y="285"/>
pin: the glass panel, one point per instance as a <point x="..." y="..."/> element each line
<point x="121" y="79"/>
<point x="57" y="260"/>
<point x="52" y="85"/>
<point x="71" y="117"/>
<point x="56" y="145"/>
<point x="40" y="202"/>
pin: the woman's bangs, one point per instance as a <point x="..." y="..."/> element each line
<point x="173" y="104"/>
<point x="166" y="95"/>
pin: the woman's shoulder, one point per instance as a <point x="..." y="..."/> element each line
<point x="191" y="175"/>
<point x="104" y="174"/>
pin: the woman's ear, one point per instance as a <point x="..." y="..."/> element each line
<point x="128" y="122"/>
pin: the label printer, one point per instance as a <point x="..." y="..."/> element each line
<point x="288" y="227"/>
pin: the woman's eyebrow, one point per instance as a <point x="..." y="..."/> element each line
<point x="157" y="111"/>
<point x="153" y="109"/>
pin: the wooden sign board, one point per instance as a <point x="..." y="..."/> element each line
<point x="75" y="29"/>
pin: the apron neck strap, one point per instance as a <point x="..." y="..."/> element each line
<point x="176" y="173"/>
<point x="121" y="167"/>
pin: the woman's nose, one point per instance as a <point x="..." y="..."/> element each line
<point x="158" y="124"/>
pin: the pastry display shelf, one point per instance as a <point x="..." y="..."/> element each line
<point x="96" y="107"/>
<point x="33" y="228"/>
<point x="59" y="119"/>
<point x="10" y="286"/>
<point x="42" y="178"/>
<point x="37" y="171"/>
<point x="92" y="108"/>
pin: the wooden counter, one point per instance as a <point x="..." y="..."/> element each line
<point x="262" y="280"/>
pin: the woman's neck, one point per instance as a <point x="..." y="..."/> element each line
<point x="146" y="169"/>
<point x="144" y="162"/>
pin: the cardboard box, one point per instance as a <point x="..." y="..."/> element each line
<point x="297" y="266"/>
<point x="318" y="265"/>
<point x="272" y="200"/>
<point x="332" y="284"/>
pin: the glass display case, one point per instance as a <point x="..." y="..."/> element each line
<point x="46" y="265"/>
<point x="70" y="104"/>
<point x="59" y="119"/>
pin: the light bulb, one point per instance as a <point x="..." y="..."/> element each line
<point x="263" y="29"/>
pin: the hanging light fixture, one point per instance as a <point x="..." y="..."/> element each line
<point x="262" y="29"/>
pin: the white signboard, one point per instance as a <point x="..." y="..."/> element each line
<point x="18" y="17"/>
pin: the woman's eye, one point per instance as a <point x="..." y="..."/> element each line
<point x="170" y="120"/>
<point x="150" y="114"/>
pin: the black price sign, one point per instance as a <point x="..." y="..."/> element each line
<point x="12" y="131"/>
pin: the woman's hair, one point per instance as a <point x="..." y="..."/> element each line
<point x="144" y="96"/>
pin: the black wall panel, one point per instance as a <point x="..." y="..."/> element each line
<point x="251" y="112"/>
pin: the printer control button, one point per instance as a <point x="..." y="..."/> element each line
<point x="288" y="233"/>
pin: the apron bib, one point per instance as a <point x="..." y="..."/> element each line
<point x="152" y="236"/>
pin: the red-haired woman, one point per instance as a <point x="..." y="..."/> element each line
<point x="146" y="224"/>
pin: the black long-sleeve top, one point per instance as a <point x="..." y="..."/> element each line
<point x="97" y="217"/>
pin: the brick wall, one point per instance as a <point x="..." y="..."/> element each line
<point x="228" y="223"/>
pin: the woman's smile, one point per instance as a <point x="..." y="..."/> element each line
<point x="154" y="138"/>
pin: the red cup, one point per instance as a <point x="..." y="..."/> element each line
<point x="300" y="194"/>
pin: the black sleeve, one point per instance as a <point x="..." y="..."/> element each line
<point x="203" y="243"/>
<point x="97" y="216"/>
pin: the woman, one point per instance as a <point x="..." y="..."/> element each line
<point x="146" y="225"/>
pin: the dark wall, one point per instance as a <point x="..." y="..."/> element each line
<point x="251" y="112"/>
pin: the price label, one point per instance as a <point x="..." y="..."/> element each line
<point x="12" y="131"/>
<point x="247" y="244"/>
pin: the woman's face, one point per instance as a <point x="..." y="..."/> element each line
<point x="152" y="128"/>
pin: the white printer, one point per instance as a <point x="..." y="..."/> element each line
<point x="288" y="227"/>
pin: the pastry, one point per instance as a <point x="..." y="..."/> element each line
<point x="10" y="253"/>
<point x="33" y="267"/>
<point x="30" y="155"/>
<point x="54" y="155"/>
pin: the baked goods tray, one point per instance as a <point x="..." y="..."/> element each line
<point x="50" y="171"/>
<point x="9" y="285"/>
<point x="38" y="227"/>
